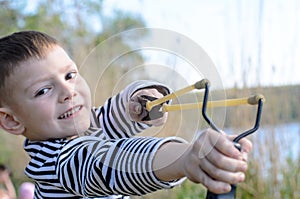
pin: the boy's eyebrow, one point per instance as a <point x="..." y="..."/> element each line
<point x="67" y="67"/>
<point x="32" y="83"/>
<point x="46" y="77"/>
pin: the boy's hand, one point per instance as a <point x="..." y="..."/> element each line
<point x="214" y="161"/>
<point x="137" y="109"/>
<point x="211" y="160"/>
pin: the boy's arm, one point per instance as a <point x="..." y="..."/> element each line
<point x="114" y="116"/>
<point x="136" y="166"/>
<point x="92" y="167"/>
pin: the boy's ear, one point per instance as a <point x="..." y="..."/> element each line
<point x="10" y="123"/>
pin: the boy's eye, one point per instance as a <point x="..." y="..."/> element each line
<point x="70" y="75"/>
<point x="43" y="91"/>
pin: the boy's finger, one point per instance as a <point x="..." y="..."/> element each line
<point x="224" y="145"/>
<point x="135" y="108"/>
<point x="214" y="186"/>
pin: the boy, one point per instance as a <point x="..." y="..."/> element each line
<point x="44" y="98"/>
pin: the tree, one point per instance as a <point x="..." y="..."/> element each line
<point x="71" y="22"/>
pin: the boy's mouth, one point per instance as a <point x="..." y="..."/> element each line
<point x="70" y="112"/>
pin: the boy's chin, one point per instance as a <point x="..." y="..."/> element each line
<point x="81" y="128"/>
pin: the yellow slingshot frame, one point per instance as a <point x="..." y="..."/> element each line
<point x="252" y="100"/>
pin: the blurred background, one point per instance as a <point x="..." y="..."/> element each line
<point x="255" y="45"/>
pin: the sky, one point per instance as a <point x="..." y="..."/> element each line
<point x="251" y="42"/>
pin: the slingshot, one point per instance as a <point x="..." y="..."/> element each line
<point x="153" y="105"/>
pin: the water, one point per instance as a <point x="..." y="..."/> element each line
<point x="284" y="138"/>
<point x="275" y="144"/>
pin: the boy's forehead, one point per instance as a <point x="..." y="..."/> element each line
<point x="56" y="59"/>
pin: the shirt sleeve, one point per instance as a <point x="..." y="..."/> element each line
<point x="113" y="117"/>
<point x="91" y="167"/>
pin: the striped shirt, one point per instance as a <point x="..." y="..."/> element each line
<point x="105" y="162"/>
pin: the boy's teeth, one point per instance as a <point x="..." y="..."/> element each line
<point x="69" y="113"/>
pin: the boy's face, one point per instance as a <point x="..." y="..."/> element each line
<point x="49" y="97"/>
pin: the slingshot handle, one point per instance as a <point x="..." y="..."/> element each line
<point x="229" y="195"/>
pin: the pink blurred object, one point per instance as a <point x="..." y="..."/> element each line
<point x="26" y="190"/>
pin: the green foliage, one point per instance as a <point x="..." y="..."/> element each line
<point x="13" y="155"/>
<point x="291" y="179"/>
<point x="71" y="22"/>
<point x="189" y="190"/>
<point x="281" y="106"/>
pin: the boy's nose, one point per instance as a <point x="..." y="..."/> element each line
<point x="68" y="93"/>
